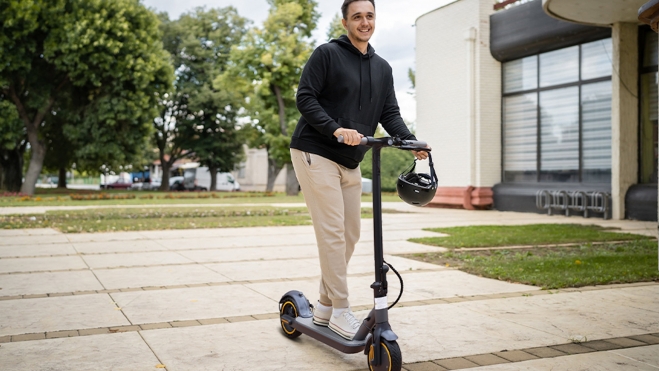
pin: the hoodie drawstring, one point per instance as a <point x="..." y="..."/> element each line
<point x="360" y="83"/>
<point x="370" y="76"/>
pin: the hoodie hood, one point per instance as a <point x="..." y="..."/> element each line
<point x="345" y="42"/>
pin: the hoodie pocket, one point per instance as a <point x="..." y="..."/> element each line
<point x="364" y="129"/>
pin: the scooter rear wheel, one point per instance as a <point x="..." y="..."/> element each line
<point x="289" y="308"/>
<point x="390" y="357"/>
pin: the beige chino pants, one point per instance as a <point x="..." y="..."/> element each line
<point x="333" y="196"/>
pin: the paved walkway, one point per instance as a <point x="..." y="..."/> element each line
<point x="207" y="300"/>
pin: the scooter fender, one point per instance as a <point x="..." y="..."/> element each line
<point x="301" y="303"/>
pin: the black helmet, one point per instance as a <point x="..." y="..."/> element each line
<point x="417" y="189"/>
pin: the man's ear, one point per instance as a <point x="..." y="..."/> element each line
<point x="345" y="25"/>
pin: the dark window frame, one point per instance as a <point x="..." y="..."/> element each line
<point x="579" y="83"/>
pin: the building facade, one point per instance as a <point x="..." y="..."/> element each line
<point x="520" y="104"/>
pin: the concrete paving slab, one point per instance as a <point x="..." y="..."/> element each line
<point x="446" y="331"/>
<point x="570" y="315"/>
<point x="250" y="253"/>
<point x="28" y="232"/>
<point x="117" y="246"/>
<point x="56" y="314"/>
<point x="32" y="240"/>
<point x="117" y="352"/>
<point x="256" y="345"/>
<point x="601" y="361"/>
<point x="303" y="268"/>
<point x="648" y="354"/>
<point x="228" y="232"/>
<point x="41" y="264"/>
<point x="451" y="283"/>
<point x="134" y="259"/>
<point x="47" y="282"/>
<point x="359" y="288"/>
<point x="105" y="237"/>
<point x="193" y="303"/>
<point x="646" y="298"/>
<point x="37" y="250"/>
<point x="191" y="242"/>
<point x="157" y="276"/>
<point x="295" y="251"/>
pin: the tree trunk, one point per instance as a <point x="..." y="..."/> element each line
<point x="37" y="146"/>
<point x="273" y="171"/>
<point x="292" y="185"/>
<point x="61" y="179"/>
<point x="12" y="169"/>
<point x="164" y="182"/>
<point x="282" y="109"/>
<point x="38" y="154"/>
<point x="213" y="171"/>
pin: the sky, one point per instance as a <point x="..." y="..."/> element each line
<point x="394" y="37"/>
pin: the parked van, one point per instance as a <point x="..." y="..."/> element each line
<point x="200" y="179"/>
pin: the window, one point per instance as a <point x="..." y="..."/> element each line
<point x="557" y="116"/>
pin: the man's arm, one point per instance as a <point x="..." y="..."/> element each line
<point x="312" y="83"/>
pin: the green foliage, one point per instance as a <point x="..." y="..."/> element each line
<point x="211" y="121"/>
<point x="411" y="74"/>
<point x="266" y="69"/>
<point x="97" y="63"/>
<point x="523" y="235"/>
<point x="12" y="130"/>
<point x="336" y="29"/>
<point x="197" y="117"/>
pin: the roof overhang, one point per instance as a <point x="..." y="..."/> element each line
<point x="594" y="12"/>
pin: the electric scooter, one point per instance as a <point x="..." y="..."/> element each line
<point x="375" y="336"/>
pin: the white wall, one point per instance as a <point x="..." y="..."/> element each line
<point x="458" y="88"/>
<point x="256" y="172"/>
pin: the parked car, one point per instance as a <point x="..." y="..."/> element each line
<point x="119" y="184"/>
<point x="200" y="179"/>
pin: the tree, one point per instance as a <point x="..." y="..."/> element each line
<point x="336" y="29"/>
<point x="103" y="56"/>
<point x="212" y="109"/>
<point x="269" y="63"/>
<point x="12" y="147"/>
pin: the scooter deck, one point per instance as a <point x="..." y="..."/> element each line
<point x="327" y="336"/>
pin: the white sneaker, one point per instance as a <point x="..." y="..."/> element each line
<point x="321" y="314"/>
<point x="345" y="324"/>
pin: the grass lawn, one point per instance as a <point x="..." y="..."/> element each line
<point x="522" y="235"/>
<point x="559" y="267"/>
<point x="140" y="219"/>
<point x="54" y="197"/>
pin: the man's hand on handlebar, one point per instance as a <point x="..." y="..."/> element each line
<point x="350" y="137"/>
<point x="421" y="155"/>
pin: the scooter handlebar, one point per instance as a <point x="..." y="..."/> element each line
<point x="408" y="144"/>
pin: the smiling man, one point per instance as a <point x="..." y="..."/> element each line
<point x="345" y="90"/>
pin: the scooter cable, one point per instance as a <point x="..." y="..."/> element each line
<point x="401" y="284"/>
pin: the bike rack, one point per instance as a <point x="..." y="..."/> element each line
<point x="574" y="201"/>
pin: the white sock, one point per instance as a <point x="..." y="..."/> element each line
<point x="322" y="306"/>
<point x="336" y="312"/>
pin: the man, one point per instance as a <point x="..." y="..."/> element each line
<point x="345" y="90"/>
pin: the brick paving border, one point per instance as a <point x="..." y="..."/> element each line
<point x="521" y="355"/>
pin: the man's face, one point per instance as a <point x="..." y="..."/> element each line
<point x="361" y="20"/>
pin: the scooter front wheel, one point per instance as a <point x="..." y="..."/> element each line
<point x="391" y="358"/>
<point x="288" y="308"/>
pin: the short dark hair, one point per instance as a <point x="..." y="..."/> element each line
<point x="346" y="3"/>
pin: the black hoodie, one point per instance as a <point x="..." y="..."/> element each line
<point x="341" y="87"/>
